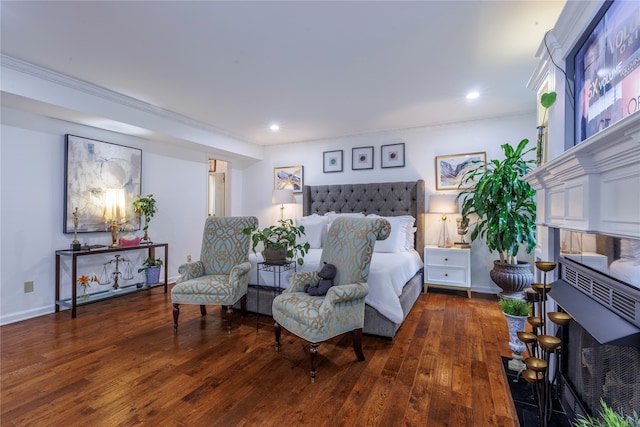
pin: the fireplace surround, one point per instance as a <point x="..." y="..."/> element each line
<point x="594" y="188"/>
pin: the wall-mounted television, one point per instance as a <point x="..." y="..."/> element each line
<point x="606" y="68"/>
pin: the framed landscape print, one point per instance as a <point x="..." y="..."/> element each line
<point x="361" y="158"/>
<point x="288" y="178"/>
<point x="451" y="168"/>
<point x="332" y="161"/>
<point x="91" y="168"/>
<point x="392" y="156"/>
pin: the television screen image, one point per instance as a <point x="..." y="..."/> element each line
<point x="607" y="70"/>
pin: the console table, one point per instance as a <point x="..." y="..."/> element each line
<point x="74" y="301"/>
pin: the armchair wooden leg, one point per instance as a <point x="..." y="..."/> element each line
<point x="243" y="305"/>
<point x="176" y="313"/>
<point x="277" y="329"/>
<point x="229" y="314"/>
<point x="203" y="310"/>
<point x="357" y="343"/>
<point x="313" y="351"/>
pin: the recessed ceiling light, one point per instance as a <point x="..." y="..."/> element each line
<point x="473" y="95"/>
<point x="274" y="127"/>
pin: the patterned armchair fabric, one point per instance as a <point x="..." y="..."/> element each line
<point x="349" y="246"/>
<point x="221" y="276"/>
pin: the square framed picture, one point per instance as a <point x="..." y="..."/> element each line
<point x="392" y="156"/>
<point x="332" y="161"/>
<point x="450" y="169"/>
<point x="288" y="178"/>
<point x="91" y="169"/>
<point x="361" y="158"/>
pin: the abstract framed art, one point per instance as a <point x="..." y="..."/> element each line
<point x="361" y="158"/>
<point x="91" y="168"/>
<point x="392" y="156"/>
<point x="288" y="178"/>
<point x="332" y="161"/>
<point x="451" y="168"/>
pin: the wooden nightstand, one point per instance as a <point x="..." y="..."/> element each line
<point x="447" y="268"/>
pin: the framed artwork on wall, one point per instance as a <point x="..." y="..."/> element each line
<point x="392" y="156"/>
<point x="288" y="178"/>
<point x="332" y="161"/>
<point x="91" y="168"/>
<point x="451" y="168"/>
<point x="361" y="158"/>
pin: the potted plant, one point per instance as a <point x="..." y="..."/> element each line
<point x="151" y="268"/>
<point x="145" y="206"/>
<point x="279" y="242"/>
<point x="546" y="100"/>
<point x="516" y="313"/>
<point x="608" y="418"/>
<point x="506" y="212"/>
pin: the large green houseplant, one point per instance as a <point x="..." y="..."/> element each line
<point x="279" y="242"/>
<point x="505" y="210"/>
<point x="504" y="205"/>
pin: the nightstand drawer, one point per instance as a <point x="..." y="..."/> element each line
<point x="454" y="258"/>
<point x="447" y="276"/>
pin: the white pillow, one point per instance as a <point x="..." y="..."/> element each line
<point x="315" y="230"/>
<point x="332" y="216"/>
<point x="401" y="234"/>
<point x="411" y="238"/>
<point x="630" y="250"/>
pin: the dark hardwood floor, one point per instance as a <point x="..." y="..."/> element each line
<point x="119" y="363"/>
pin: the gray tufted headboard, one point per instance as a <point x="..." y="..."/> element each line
<point x="385" y="199"/>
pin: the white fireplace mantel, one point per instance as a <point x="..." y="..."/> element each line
<point x="594" y="187"/>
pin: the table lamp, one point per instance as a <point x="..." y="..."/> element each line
<point x="114" y="212"/>
<point x="280" y="197"/>
<point x="443" y="205"/>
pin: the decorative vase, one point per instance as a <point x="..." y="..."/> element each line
<point x="516" y="324"/>
<point x="85" y="293"/>
<point x="512" y="278"/>
<point x="275" y="256"/>
<point x="541" y="146"/>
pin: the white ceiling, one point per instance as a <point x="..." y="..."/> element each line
<point x="319" y="69"/>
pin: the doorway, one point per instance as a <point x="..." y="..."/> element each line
<point x="216" y="186"/>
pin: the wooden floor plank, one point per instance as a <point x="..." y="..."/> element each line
<point x="120" y="363"/>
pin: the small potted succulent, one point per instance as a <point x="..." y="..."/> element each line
<point x="151" y="268"/>
<point x="279" y="242"/>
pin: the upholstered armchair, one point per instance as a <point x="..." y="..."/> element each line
<point x="221" y="276"/>
<point x="349" y="246"/>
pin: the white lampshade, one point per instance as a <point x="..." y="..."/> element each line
<point x="280" y="197"/>
<point x="443" y="204"/>
<point x="114" y="206"/>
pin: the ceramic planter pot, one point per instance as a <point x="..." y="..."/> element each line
<point x="512" y="278"/>
<point x="152" y="275"/>
<point x="275" y="256"/>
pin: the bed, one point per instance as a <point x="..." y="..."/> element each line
<point x="626" y="265"/>
<point x="395" y="278"/>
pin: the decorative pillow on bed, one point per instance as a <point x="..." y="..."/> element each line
<point x="333" y="215"/>
<point x="401" y="236"/>
<point x="630" y="250"/>
<point x="315" y="230"/>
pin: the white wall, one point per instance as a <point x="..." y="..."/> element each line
<point x="32" y="178"/>
<point x="31" y="197"/>
<point x="421" y="147"/>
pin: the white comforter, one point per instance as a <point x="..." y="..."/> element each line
<point x="626" y="270"/>
<point x="387" y="276"/>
